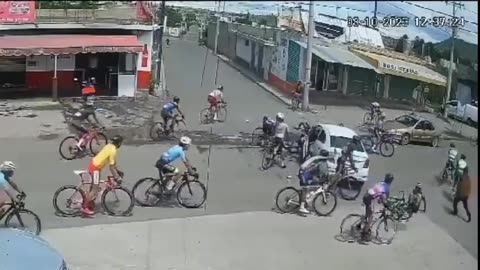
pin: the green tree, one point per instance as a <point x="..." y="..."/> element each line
<point x="190" y="18"/>
<point x="174" y="18"/>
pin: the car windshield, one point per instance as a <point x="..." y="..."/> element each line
<point x="407" y="120"/>
<point x="340" y="142"/>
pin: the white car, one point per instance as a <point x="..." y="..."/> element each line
<point x="338" y="137"/>
<point x="467" y="113"/>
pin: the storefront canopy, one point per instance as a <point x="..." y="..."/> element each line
<point x="67" y="44"/>
<point x="339" y="56"/>
<point x="405" y="69"/>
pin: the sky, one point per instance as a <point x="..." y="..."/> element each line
<point x="362" y="9"/>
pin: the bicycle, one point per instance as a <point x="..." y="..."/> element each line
<point x="371" y="117"/>
<point x="156" y="189"/>
<point x="157" y="130"/>
<point x="207" y="115"/>
<point x="353" y="224"/>
<point x="94" y="138"/>
<point x="271" y="153"/>
<point x="259" y="138"/>
<point x="73" y="203"/>
<point x="15" y="209"/>
<point x="448" y="173"/>
<point x="346" y="184"/>
<point x="319" y="193"/>
<point x="380" y="139"/>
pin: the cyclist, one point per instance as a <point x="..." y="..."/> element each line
<point x="7" y="168"/>
<point x="107" y="156"/>
<point x="347" y="154"/>
<point x="318" y="139"/>
<point x="280" y="133"/>
<point x="214" y="98"/>
<point x="452" y="156"/>
<point x="86" y="115"/>
<point x="268" y="125"/>
<point x="166" y="159"/>
<point x="298" y="91"/>
<point x="168" y="111"/>
<point x="459" y="170"/>
<point x="379" y="192"/>
<point x="314" y="168"/>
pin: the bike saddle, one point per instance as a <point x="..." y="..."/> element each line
<point x="79" y="172"/>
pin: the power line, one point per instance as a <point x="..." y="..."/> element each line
<point x="436" y="11"/>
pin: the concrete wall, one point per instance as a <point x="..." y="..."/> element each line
<point x="226" y="40"/>
<point x="244" y="49"/>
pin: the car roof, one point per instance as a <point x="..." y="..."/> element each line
<point x="14" y="244"/>
<point x="339" y="131"/>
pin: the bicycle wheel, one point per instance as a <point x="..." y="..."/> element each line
<point x="113" y="197"/>
<point x="156" y="131"/>
<point x="70" y="143"/>
<point x="71" y="197"/>
<point x="386" y="149"/>
<point x="367" y="118"/>
<point x="147" y="191"/>
<point x="324" y="203"/>
<point x="257" y="137"/>
<point x="288" y="200"/>
<point x="349" y="188"/>
<point x="205" y="116"/>
<point x="222" y="114"/>
<point x="268" y="158"/>
<point x="367" y="142"/>
<point x="189" y="190"/>
<point x="386" y="226"/>
<point x="350" y="228"/>
<point x="96" y="144"/>
<point x="25" y="220"/>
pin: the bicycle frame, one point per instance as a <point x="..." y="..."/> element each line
<point x="90" y="135"/>
<point x="12" y="206"/>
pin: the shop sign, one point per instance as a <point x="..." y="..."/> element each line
<point x="399" y="68"/>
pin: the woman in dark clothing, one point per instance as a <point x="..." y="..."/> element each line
<point x="462" y="193"/>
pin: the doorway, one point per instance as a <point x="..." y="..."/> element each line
<point x="103" y="67"/>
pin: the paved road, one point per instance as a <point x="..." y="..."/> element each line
<point x="234" y="181"/>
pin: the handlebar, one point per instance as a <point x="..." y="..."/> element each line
<point x="192" y="173"/>
<point x="21" y="196"/>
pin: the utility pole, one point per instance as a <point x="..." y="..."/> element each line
<point x="375" y="10"/>
<point x="450" y="66"/>
<point x="308" y="67"/>
<point x="217" y="34"/>
<point x="161" y="29"/>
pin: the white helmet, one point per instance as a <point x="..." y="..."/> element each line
<point x="375" y="104"/>
<point x="462" y="164"/>
<point x="7" y="166"/>
<point x="383" y="115"/>
<point x="185" y="140"/>
<point x="280" y="116"/>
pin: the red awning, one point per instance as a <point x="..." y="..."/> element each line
<point x="67" y="44"/>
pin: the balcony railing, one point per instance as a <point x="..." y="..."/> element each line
<point x="119" y="15"/>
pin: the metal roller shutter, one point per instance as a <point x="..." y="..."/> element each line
<point x="12" y="64"/>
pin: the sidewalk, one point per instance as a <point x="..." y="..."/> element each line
<point x="251" y="241"/>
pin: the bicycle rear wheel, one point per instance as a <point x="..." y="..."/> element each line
<point x="257" y="137"/>
<point x="386" y="149"/>
<point x="386" y="226"/>
<point x="156" y="131"/>
<point x="147" y="191"/>
<point x="25" y="220"/>
<point x="268" y="158"/>
<point x="349" y="188"/>
<point x="96" y="144"/>
<point x="112" y="197"/>
<point x="324" y="203"/>
<point x="205" y="116"/>
<point x="189" y="190"/>
<point x="350" y="228"/>
<point x="288" y="200"/>
<point x="222" y="114"/>
<point x="71" y="197"/>
<point x="367" y="118"/>
<point x="71" y="150"/>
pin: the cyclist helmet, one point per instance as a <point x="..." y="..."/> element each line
<point x="462" y="164"/>
<point x="452" y="145"/>
<point x="462" y="156"/>
<point x="117" y="140"/>
<point x="280" y="116"/>
<point x="185" y="140"/>
<point x="375" y="104"/>
<point x="220" y="87"/>
<point x="7" y="166"/>
<point x="388" y="178"/>
<point x="176" y="99"/>
<point x="383" y="115"/>
<point x="356" y="138"/>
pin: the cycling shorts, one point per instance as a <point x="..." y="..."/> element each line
<point x="94" y="173"/>
<point x="214" y="101"/>
<point x="368" y="202"/>
<point x="163" y="167"/>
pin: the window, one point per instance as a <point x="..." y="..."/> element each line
<point x="127" y="64"/>
<point x="420" y="125"/>
<point x="428" y="126"/>
<point x="247" y="42"/>
<point x="407" y="120"/>
<point x="341" y="142"/>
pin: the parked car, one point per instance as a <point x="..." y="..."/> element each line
<point x="467" y="113"/>
<point x="413" y="128"/>
<point x="22" y="250"/>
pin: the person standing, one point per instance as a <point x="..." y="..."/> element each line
<point x="462" y="193"/>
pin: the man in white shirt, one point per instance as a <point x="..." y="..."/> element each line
<point x="214" y="98"/>
<point x="281" y="132"/>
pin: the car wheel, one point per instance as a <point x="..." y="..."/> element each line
<point x="405" y="139"/>
<point x="435" y="141"/>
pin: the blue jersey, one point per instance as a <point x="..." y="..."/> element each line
<point x="174" y="153"/>
<point x="170" y="107"/>
<point x="3" y="182"/>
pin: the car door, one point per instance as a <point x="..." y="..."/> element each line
<point x="418" y="131"/>
<point x="429" y="131"/>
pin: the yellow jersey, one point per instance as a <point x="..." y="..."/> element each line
<point x="108" y="156"/>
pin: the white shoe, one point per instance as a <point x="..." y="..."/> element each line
<point x="303" y="210"/>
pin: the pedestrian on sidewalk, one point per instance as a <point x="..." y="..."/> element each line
<point x="462" y="193"/>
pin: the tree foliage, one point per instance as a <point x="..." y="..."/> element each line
<point x="401" y="44"/>
<point x="45" y="4"/>
<point x="174" y="17"/>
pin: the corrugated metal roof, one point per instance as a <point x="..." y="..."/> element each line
<point x="340" y="56"/>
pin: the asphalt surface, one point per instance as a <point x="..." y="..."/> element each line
<point x="230" y="171"/>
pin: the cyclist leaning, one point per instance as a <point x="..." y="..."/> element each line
<point x="379" y="192"/>
<point x="7" y="168"/>
<point x="168" y="112"/>
<point x="176" y="152"/>
<point x="107" y="156"/>
<point x="215" y="98"/>
<point x="374" y="108"/>
<point x="313" y="171"/>
<point x="268" y="125"/>
<point x="347" y="155"/>
<point x="86" y="115"/>
<point x="280" y="134"/>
